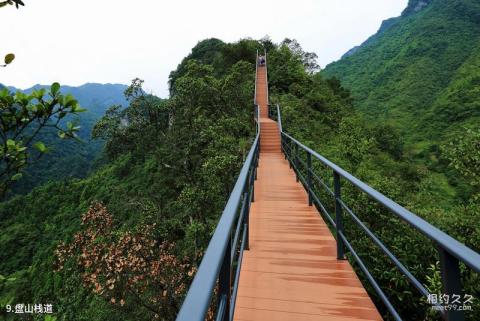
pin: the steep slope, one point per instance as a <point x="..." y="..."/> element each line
<point x="175" y="173"/>
<point x="420" y="70"/>
<point x="68" y="158"/>
<point x="459" y="102"/>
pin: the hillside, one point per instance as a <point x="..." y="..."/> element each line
<point x="69" y="158"/>
<point x="419" y="72"/>
<point x="174" y="172"/>
<point x="170" y="166"/>
<point x="124" y="242"/>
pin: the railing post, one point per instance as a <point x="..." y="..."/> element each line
<point x="279" y="119"/>
<point x="225" y="280"/>
<point x="309" y="178"/>
<point x="290" y="148"/>
<point x="295" y="159"/>
<point x="252" y="182"/>
<point x="247" y="221"/>
<point x="450" y="271"/>
<point x="338" y="216"/>
<point x="258" y="159"/>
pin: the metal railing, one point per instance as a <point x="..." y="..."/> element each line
<point x="266" y="76"/>
<point x="219" y="271"/>
<point x="273" y="113"/>
<point x="256" y="73"/>
<point x="223" y="258"/>
<point x="451" y="252"/>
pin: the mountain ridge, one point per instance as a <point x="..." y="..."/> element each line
<point x="400" y="73"/>
<point x="414" y="6"/>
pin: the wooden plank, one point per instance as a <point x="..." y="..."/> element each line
<point x="291" y="271"/>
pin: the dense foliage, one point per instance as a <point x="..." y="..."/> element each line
<point x="22" y="118"/>
<point x="70" y="158"/>
<point x="170" y="165"/>
<point x="416" y="85"/>
<point x="129" y="267"/>
<point x="319" y="112"/>
<point x="420" y="75"/>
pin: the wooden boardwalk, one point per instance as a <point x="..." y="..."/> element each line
<point x="291" y="271"/>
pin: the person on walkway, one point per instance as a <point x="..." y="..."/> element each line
<point x="261" y="60"/>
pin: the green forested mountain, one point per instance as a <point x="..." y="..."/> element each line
<point x="419" y="78"/>
<point x="71" y="158"/>
<point x="420" y="72"/>
<point x="169" y="168"/>
<point x="171" y="163"/>
<point x="168" y="162"/>
<point x="420" y="75"/>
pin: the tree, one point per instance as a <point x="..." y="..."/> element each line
<point x="126" y="268"/>
<point x="309" y="59"/>
<point x="22" y="118"/>
<point x="124" y="129"/>
<point x="463" y="153"/>
<point x="389" y="140"/>
<point x="354" y="140"/>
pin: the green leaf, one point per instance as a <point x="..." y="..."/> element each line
<point x="17" y="176"/>
<point x="77" y="109"/>
<point x="40" y="147"/>
<point x="50" y="318"/>
<point x="10" y="143"/>
<point x="9" y="58"/>
<point x="69" y="101"/>
<point x="4" y="93"/>
<point x="55" y="88"/>
<point x="38" y="93"/>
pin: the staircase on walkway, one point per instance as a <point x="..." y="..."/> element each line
<point x="270" y="135"/>
<point x="272" y="256"/>
<point x="291" y="271"/>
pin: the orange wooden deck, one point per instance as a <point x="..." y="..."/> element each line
<point x="291" y="271"/>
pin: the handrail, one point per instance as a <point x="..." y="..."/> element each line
<point x="266" y="77"/>
<point x="256" y="73"/>
<point x="450" y="250"/>
<point x="219" y="257"/>
<point x="279" y="119"/>
<point x="457" y="249"/>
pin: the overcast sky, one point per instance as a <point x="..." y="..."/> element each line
<point x="114" y="41"/>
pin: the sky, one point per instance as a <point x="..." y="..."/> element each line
<point x="114" y="41"/>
